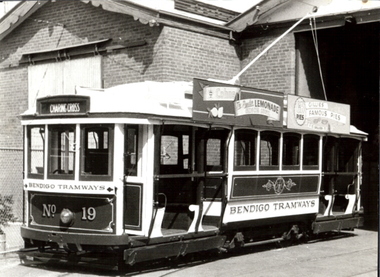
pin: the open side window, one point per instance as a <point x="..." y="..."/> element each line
<point x="340" y="181"/>
<point x="245" y="150"/>
<point x="310" y="156"/>
<point x="291" y="151"/>
<point x="269" y="150"/>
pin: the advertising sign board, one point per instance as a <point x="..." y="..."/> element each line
<point x="216" y="102"/>
<point x="318" y="115"/>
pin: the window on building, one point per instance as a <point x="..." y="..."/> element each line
<point x="245" y="149"/>
<point x="36" y="150"/>
<point x="269" y="150"/>
<point x="96" y="161"/>
<point x="61" y="155"/>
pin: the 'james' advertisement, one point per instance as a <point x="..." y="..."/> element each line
<point x="318" y="115"/>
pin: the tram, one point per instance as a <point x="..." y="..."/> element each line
<point x="156" y="170"/>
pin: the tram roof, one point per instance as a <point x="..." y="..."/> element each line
<point x="149" y="97"/>
<point x="166" y="99"/>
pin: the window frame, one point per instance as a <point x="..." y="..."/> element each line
<point x="130" y="169"/>
<point x="52" y="175"/>
<point x="83" y="176"/>
<point x="291" y="166"/>
<point x="271" y="166"/>
<point x="314" y="166"/>
<point x="28" y="152"/>
<point x="253" y="152"/>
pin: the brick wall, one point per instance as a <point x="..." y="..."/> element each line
<point x="188" y="55"/>
<point x="13" y="102"/>
<point x="275" y="70"/>
<point x="168" y="54"/>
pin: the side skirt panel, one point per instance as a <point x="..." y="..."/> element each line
<point x="337" y="224"/>
<point x="174" y="249"/>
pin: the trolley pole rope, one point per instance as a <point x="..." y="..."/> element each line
<point x="234" y="79"/>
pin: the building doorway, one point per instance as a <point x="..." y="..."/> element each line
<point x="349" y="59"/>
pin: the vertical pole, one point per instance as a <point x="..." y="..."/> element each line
<point x="2" y="243"/>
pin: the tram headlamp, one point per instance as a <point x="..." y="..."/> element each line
<point x="67" y="217"/>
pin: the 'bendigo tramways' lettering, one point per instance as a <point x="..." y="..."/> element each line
<point x="64" y="187"/>
<point x="249" y="209"/>
<point x="294" y="205"/>
<point x="273" y="207"/>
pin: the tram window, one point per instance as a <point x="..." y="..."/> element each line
<point x="131" y="150"/>
<point x="348" y="155"/>
<point x="269" y="150"/>
<point x="291" y="151"/>
<point x="186" y="151"/>
<point x="61" y="151"/>
<point x="36" y="149"/>
<point x="169" y="150"/>
<point x="215" y="150"/>
<point x="96" y="161"/>
<point x="175" y="143"/>
<point x="340" y="154"/>
<point x="214" y="157"/>
<point x="310" y="157"/>
<point x="245" y="149"/>
<point x="329" y="152"/>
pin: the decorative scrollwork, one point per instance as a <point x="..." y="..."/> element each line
<point x="279" y="185"/>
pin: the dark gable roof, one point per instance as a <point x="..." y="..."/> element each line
<point x="144" y="14"/>
<point x="266" y="12"/>
<point x="329" y="13"/>
<point x="204" y="9"/>
<point x="17" y="15"/>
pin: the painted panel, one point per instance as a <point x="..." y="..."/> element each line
<point x="270" y="208"/>
<point x="259" y="186"/>
<point x="133" y="206"/>
<point x="88" y="213"/>
<point x="63" y="105"/>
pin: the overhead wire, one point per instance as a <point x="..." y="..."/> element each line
<point x="313" y="26"/>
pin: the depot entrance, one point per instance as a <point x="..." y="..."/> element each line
<point x="349" y="65"/>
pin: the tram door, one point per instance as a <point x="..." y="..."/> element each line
<point x="189" y="170"/>
<point x="341" y="176"/>
<point x="132" y="190"/>
<point x="211" y="153"/>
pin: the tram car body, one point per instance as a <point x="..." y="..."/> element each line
<point x="155" y="170"/>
